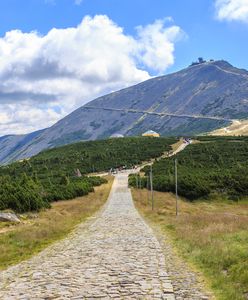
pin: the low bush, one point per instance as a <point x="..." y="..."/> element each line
<point x="216" y="165"/>
<point x="27" y="195"/>
<point x="52" y="174"/>
<point x="23" y="195"/>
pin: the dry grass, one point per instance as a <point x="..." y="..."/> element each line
<point x="165" y="154"/>
<point x="237" y="128"/>
<point x="212" y="236"/>
<point x="33" y="235"/>
<point x="177" y="145"/>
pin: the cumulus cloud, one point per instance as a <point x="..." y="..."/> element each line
<point x="232" y="10"/>
<point x="43" y="78"/>
<point x="53" y="2"/>
<point x="78" y="2"/>
<point x="21" y="117"/>
<point x="156" y="44"/>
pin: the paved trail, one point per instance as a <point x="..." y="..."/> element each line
<point x="117" y="257"/>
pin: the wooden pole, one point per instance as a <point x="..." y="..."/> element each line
<point x="151" y="185"/>
<point x="147" y="186"/>
<point x="176" y="187"/>
<point x="139" y="186"/>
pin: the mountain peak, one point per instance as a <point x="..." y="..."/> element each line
<point x="201" y="98"/>
<point x="219" y="63"/>
<point x="222" y="63"/>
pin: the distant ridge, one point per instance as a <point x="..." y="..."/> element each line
<point x="198" y="99"/>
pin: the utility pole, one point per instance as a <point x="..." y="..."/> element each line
<point x="139" y="186"/>
<point x="151" y="185"/>
<point x="147" y="186"/>
<point x="176" y="187"/>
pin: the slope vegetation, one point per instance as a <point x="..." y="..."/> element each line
<point x="215" y="166"/>
<point x="53" y="174"/>
<point x="212" y="236"/>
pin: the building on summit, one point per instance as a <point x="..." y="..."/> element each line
<point x="151" y="133"/>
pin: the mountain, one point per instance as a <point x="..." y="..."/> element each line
<point x="198" y="99"/>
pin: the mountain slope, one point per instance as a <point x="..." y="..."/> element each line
<point x="237" y="128"/>
<point x="215" y="89"/>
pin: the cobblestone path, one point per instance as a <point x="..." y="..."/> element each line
<point x="117" y="257"/>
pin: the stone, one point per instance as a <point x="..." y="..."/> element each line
<point x="9" y="217"/>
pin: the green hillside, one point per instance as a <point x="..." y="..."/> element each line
<point x="51" y="175"/>
<point x="215" y="165"/>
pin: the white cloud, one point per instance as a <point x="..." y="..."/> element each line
<point x="78" y="2"/>
<point x="43" y="78"/>
<point x="53" y="2"/>
<point x="156" y="44"/>
<point x="21" y="117"/>
<point x="232" y="10"/>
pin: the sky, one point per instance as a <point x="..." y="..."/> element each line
<point x="56" y="55"/>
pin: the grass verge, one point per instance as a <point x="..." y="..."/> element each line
<point x="20" y="242"/>
<point x="211" y="236"/>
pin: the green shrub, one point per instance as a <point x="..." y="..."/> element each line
<point x="22" y="195"/>
<point x="217" y="165"/>
<point x="51" y="175"/>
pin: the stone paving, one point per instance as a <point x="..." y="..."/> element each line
<point x="115" y="257"/>
<point x="187" y="284"/>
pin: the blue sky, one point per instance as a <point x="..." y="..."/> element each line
<point x="207" y="36"/>
<point x="40" y="82"/>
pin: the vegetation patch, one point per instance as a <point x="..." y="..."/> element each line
<point x="53" y="174"/>
<point x="37" y="231"/>
<point x="212" y="236"/>
<point x="28" y="193"/>
<point x="215" y="166"/>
